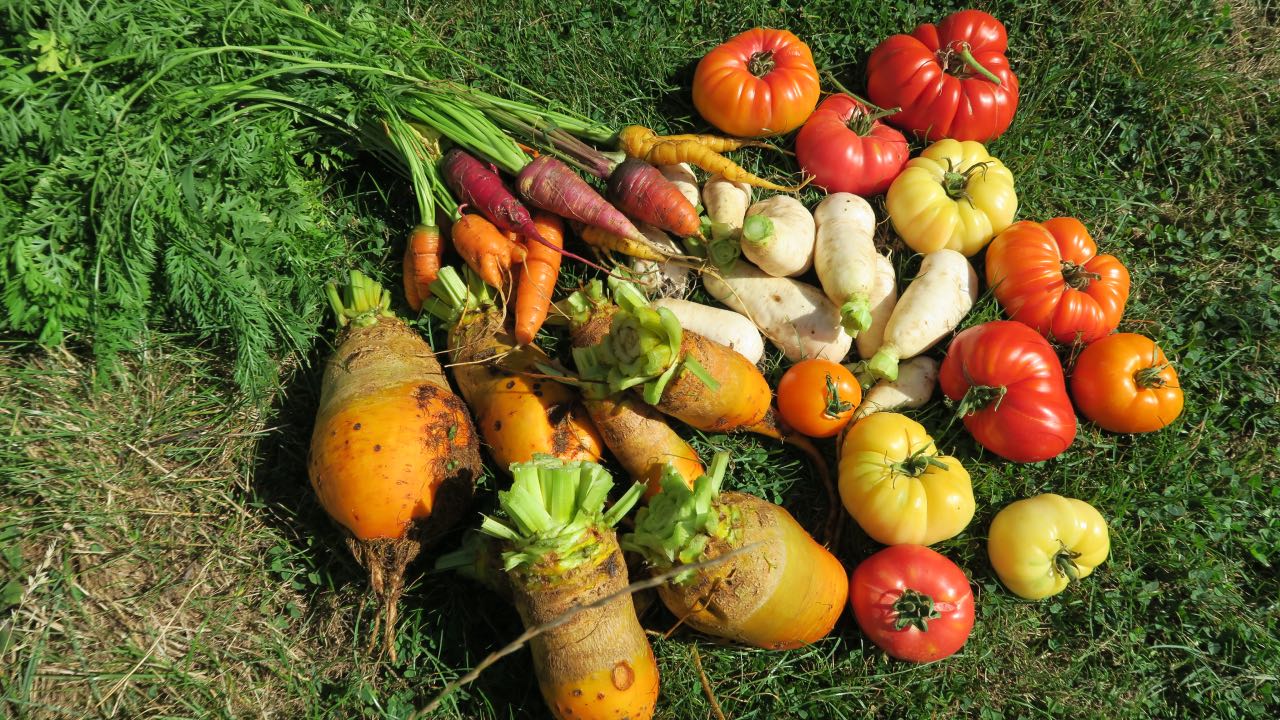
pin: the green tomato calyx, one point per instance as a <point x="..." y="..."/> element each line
<point x="1064" y="563"/>
<point x="914" y="609"/>
<point x="1077" y="276"/>
<point x="1149" y="377"/>
<point x="761" y="63"/>
<point x="956" y="182"/>
<point x="836" y="406"/>
<point x="979" y="397"/>
<point x="957" y="59"/>
<point x="915" y="464"/>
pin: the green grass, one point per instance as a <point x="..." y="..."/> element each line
<point x="164" y="557"/>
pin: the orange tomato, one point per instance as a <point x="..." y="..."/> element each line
<point x="762" y="82"/>
<point x="1125" y="384"/>
<point x="1050" y="276"/>
<point x="817" y="397"/>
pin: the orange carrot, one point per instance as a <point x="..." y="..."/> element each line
<point x="422" y="254"/>
<point x="782" y="591"/>
<point x="486" y="249"/>
<point x="538" y="277"/>
<point x="394" y="456"/>
<point x="641" y="191"/>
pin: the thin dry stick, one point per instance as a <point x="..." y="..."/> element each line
<point x="568" y="615"/>
<point x="699" y="606"/>
<point x="706" y="684"/>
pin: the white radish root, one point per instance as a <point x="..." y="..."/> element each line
<point x="778" y="236"/>
<point x="731" y="329"/>
<point x="845" y="257"/>
<point x="932" y="306"/>
<point x="669" y="279"/>
<point x="726" y="205"/>
<point x="796" y="317"/>
<point x="913" y="388"/>
<point x="683" y="178"/>
<point x="884" y="297"/>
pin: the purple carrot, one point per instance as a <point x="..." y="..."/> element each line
<point x="479" y="187"/>
<point x="553" y="186"/>
<point x="640" y="190"/>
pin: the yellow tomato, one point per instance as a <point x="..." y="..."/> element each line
<point x="897" y="486"/>
<point x="1039" y="545"/>
<point x="954" y="195"/>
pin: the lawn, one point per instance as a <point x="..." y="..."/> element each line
<point x="163" y="556"/>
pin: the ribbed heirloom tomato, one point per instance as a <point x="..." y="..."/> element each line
<point x="897" y="485"/>
<point x="846" y="148"/>
<point x="952" y="80"/>
<point x="1125" y="384"/>
<point x="913" y="602"/>
<point x="953" y="195"/>
<point x="1011" y="391"/>
<point x="1050" y="277"/>
<point x="1039" y="545"/>
<point x="762" y="82"/>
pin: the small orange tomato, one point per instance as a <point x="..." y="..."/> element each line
<point x="817" y="397"/>
<point x="762" y="82"/>
<point x="1125" y="384"/>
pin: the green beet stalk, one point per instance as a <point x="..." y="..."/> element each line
<point x="642" y="348"/>
<point x="678" y="523"/>
<point x="555" y="511"/>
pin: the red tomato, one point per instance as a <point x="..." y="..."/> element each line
<point x="1050" y="276"/>
<point x="1012" y="395"/>
<point x="847" y="149"/>
<point x="913" y="602"/>
<point x="1124" y="383"/>
<point x="762" y="82"/>
<point x="942" y="93"/>
<point x="817" y="397"/>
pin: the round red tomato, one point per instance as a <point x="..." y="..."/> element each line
<point x="762" y="82"/>
<point x="952" y="80"/>
<point x="1125" y="384"/>
<point x="1050" y="276"/>
<point x="913" y="602"/>
<point x="1011" y="391"/>
<point x="817" y="397"/>
<point x="846" y="148"/>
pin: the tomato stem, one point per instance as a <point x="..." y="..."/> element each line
<point x="914" y="609"/>
<point x="863" y="120"/>
<point x="761" y="63"/>
<point x="917" y="462"/>
<point x="1077" y="276"/>
<point x="956" y="183"/>
<point x="1149" y="377"/>
<point x="967" y="54"/>
<point x="1064" y="562"/>
<point x="835" y="405"/>
<point x="978" y="397"/>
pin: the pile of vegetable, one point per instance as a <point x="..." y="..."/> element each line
<point x="502" y="206"/>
